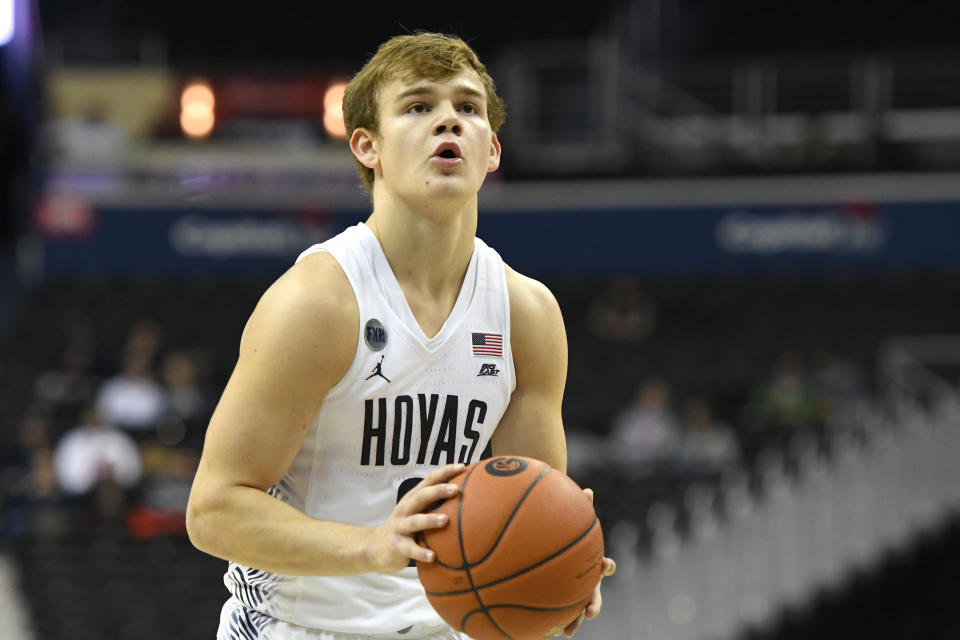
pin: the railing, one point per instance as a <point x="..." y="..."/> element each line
<point x="884" y="484"/>
<point x="589" y="106"/>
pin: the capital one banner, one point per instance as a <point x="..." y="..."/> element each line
<point x="678" y="240"/>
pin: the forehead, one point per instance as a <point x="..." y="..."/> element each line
<point x="466" y="81"/>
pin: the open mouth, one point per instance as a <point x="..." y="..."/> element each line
<point x="447" y="151"/>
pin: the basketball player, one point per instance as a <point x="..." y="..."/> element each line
<point x="383" y="361"/>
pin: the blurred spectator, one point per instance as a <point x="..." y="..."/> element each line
<point x="95" y="453"/>
<point x="785" y="399"/>
<point x="162" y="505"/>
<point x="144" y="338"/>
<point x="132" y="399"/>
<point x="585" y="451"/>
<point x="844" y="392"/>
<point x="72" y="381"/>
<point x="29" y="495"/>
<point x="708" y="445"/>
<point x="622" y="312"/>
<point x="49" y="513"/>
<point x="837" y="380"/>
<point x="185" y="398"/>
<point x="646" y="432"/>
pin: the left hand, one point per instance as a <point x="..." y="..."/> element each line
<point x="608" y="568"/>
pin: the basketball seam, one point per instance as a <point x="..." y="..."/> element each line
<point x="580" y="537"/>
<point x="516" y="508"/>
<point x="466" y="566"/>
<point x="463" y="551"/>
<point x="528" y="607"/>
<point x="513" y="513"/>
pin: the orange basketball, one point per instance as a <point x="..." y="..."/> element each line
<point x="520" y="555"/>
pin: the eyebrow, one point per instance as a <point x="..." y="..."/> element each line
<point x="430" y="91"/>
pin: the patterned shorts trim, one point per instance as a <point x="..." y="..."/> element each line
<point x="238" y="622"/>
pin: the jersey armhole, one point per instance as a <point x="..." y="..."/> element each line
<point x="507" y="325"/>
<point x="354" y="365"/>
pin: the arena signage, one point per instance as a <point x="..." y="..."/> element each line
<point x="652" y="241"/>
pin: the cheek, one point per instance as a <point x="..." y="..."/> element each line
<point x="389" y="161"/>
<point x="396" y="155"/>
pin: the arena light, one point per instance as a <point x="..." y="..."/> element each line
<point x="333" y="110"/>
<point x="197" y="110"/>
<point x="7" y="21"/>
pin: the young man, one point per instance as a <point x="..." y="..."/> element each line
<point x="378" y="365"/>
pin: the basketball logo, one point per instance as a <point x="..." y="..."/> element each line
<point x="506" y="466"/>
<point x="521" y="554"/>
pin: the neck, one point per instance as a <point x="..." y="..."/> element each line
<point x="429" y="252"/>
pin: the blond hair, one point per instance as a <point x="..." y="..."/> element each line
<point x="434" y="56"/>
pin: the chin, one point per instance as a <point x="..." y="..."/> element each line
<point x="450" y="186"/>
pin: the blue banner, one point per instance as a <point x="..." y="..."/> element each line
<point x="902" y="237"/>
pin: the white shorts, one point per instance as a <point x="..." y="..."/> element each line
<point x="237" y="622"/>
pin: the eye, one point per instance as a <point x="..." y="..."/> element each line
<point x="469" y="107"/>
<point x="417" y="107"/>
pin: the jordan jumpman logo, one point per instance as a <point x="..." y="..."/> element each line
<point x="378" y="371"/>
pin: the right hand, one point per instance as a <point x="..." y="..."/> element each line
<point x="392" y="544"/>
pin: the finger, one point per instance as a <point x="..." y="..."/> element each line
<point x="421" y="522"/>
<point x="589" y="493"/>
<point x="409" y="548"/>
<point x="609" y="567"/>
<point x="419" y="499"/>
<point x="442" y="474"/>
<point x="593" y="609"/>
<point x="573" y="626"/>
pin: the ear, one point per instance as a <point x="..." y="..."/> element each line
<point x="364" y="147"/>
<point x="493" y="163"/>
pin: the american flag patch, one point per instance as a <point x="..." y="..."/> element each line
<point x="488" y="344"/>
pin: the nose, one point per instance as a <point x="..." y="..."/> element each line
<point x="449" y="120"/>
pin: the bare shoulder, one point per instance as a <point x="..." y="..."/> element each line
<point x="538" y="337"/>
<point x="533" y="307"/>
<point x="311" y="310"/>
<point x="298" y="343"/>
<point x="316" y="280"/>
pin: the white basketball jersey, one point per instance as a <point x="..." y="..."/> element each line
<point x="407" y="405"/>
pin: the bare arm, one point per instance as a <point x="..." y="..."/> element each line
<point x="532" y="425"/>
<point x="298" y="343"/>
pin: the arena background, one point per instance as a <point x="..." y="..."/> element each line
<point x="749" y="213"/>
